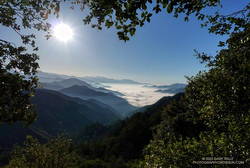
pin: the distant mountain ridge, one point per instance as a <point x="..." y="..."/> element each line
<point x="172" y="89"/>
<point x="65" y="83"/>
<point x="119" y="104"/>
<point x="82" y="91"/>
<point x="77" y="88"/>
<point x="51" y="77"/>
<point x="109" y="80"/>
<point x="53" y="100"/>
<point x="45" y="77"/>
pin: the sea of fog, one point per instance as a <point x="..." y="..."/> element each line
<point x="137" y="94"/>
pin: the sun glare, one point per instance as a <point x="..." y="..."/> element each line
<point x="63" y="32"/>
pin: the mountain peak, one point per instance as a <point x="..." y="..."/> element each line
<point x="82" y="90"/>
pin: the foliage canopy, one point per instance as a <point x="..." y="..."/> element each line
<point x="218" y="99"/>
<point x="57" y="153"/>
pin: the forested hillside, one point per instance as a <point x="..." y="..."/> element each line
<point x="57" y="114"/>
<point x="124" y="143"/>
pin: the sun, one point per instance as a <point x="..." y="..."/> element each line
<point x="63" y="32"/>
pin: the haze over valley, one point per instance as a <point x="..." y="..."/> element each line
<point x="136" y="93"/>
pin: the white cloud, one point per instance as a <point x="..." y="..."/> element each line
<point x="138" y="95"/>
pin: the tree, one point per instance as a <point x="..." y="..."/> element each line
<point x="18" y="66"/>
<point x="57" y="153"/>
<point x="218" y="99"/>
<point x="126" y="16"/>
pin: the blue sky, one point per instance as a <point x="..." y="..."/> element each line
<point x="161" y="52"/>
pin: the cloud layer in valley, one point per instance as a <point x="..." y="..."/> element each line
<point x="138" y="94"/>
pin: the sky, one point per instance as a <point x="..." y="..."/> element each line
<point x="161" y="52"/>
